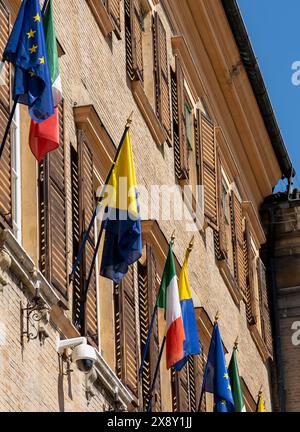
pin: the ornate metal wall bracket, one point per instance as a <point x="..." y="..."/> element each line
<point x="33" y="319"/>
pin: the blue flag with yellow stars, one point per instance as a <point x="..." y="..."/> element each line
<point x="216" y="378"/>
<point x="26" y="50"/>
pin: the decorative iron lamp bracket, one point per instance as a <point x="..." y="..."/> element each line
<point x="32" y="316"/>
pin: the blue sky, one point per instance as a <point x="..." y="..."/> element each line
<point x="273" y="27"/>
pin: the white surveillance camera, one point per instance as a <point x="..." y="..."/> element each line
<point x="83" y="355"/>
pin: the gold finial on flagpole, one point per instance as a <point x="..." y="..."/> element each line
<point x="129" y="120"/>
<point x="191" y="245"/>
<point x="217" y="317"/>
<point x="173" y="237"/>
<point x="236" y="343"/>
<point x="260" y="391"/>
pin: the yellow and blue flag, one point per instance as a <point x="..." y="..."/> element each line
<point x="191" y="345"/>
<point x="26" y="50"/>
<point x="216" y="379"/>
<point x="122" y="223"/>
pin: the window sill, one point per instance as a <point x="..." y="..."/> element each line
<point x="156" y="129"/>
<point x="101" y="16"/>
<point x="230" y="282"/>
<point x="261" y="346"/>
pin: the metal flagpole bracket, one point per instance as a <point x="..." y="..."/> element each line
<point x="129" y="120"/>
<point x="217" y="317"/>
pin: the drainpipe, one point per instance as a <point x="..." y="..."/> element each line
<point x="275" y="311"/>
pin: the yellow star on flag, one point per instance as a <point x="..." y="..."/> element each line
<point x="42" y="60"/>
<point x="37" y="18"/>
<point x="31" y="33"/>
<point x="33" y="49"/>
<point x="226" y="376"/>
<point x="31" y="73"/>
<point x="229" y="387"/>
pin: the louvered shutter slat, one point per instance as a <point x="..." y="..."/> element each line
<point x="133" y="40"/>
<point x="264" y="306"/>
<point x="114" y="10"/>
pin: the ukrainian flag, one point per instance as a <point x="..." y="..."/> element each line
<point x="191" y="345"/>
<point x="122" y="223"/>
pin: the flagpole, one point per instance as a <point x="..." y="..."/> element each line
<point x="204" y="377"/>
<point x="151" y="326"/>
<point x="8" y="126"/>
<point x="87" y="233"/>
<point x="46" y="2"/>
<point x="149" y="404"/>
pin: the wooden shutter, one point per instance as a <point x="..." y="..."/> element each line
<point x="87" y="206"/>
<point x="133" y="39"/>
<point x="53" y="232"/>
<point x="161" y="74"/>
<point x="220" y="236"/>
<point x="185" y="396"/>
<point x="179" y="132"/>
<point x="174" y="390"/>
<point x="147" y="277"/>
<point x="83" y="204"/>
<point x="127" y="357"/>
<point x="238" y="239"/>
<point x="209" y="171"/>
<point x="114" y="11"/>
<point x="5" y="162"/>
<point x="264" y="306"/>
<point x="250" y="293"/>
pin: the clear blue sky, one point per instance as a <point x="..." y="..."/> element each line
<point x="273" y="27"/>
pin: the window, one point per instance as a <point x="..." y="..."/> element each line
<point x="107" y="15"/>
<point x="133" y="39"/>
<point x="16" y="176"/>
<point x="189" y="125"/>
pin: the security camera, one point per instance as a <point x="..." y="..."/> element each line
<point x="83" y="355"/>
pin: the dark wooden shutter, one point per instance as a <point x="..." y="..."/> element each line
<point x="250" y="294"/>
<point x="53" y="232"/>
<point x="238" y="239"/>
<point x="147" y="277"/>
<point x="264" y="306"/>
<point x="200" y="361"/>
<point x="185" y="395"/>
<point x="179" y="132"/>
<point x="114" y="11"/>
<point x="5" y="99"/>
<point x="83" y="204"/>
<point x="209" y="171"/>
<point x="133" y="39"/>
<point x="127" y="357"/>
<point x="87" y="206"/>
<point x="161" y="74"/>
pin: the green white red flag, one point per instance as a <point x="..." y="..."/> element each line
<point x="44" y="137"/>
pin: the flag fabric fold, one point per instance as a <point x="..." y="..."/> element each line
<point x="216" y="378"/>
<point x="168" y="299"/>
<point x="123" y="234"/>
<point x="235" y="381"/>
<point x="191" y="345"/>
<point x="44" y="137"/>
<point x="26" y="50"/>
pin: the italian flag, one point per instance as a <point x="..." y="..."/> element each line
<point x="235" y="382"/>
<point x="44" y="137"/>
<point x="168" y="299"/>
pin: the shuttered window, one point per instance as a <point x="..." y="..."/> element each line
<point x="220" y="236"/>
<point x="133" y="39"/>
<point x="161" y="74"/>
<point x="126" y="336"/>
<point x="148" y="286"/>
<point x="238" y="240"/>
<point x="264" y="306"/>
<point x="53" y="233"/>
<point x="5" y="104"/>
<point x="178" y="118"/>
<point x="209" y="171"/>
<point x="83" y="204"/>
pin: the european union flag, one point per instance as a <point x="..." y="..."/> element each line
<point x="26" y="50"/>
<point x="216" y="378"/>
